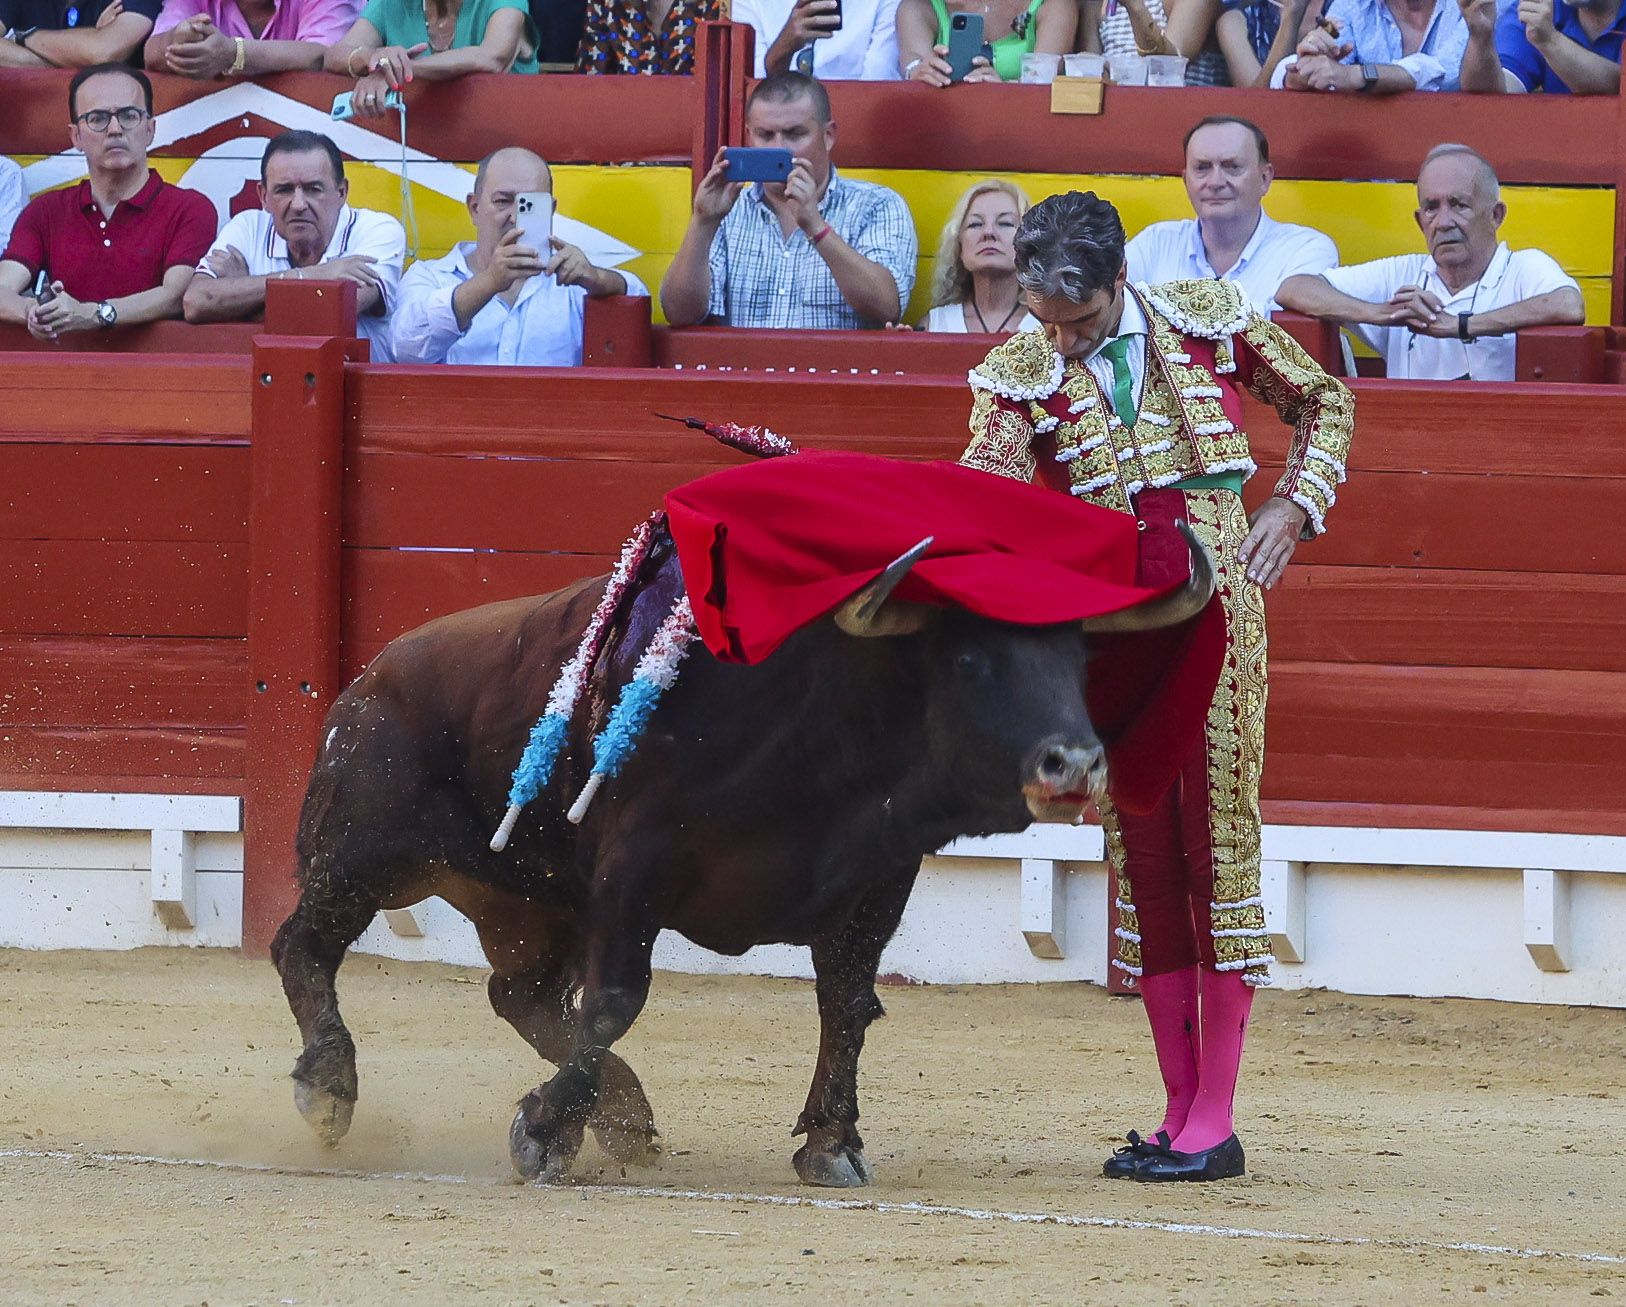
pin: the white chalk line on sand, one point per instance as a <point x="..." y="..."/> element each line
<point x="1064" y="1219"/>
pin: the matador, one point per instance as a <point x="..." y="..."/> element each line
<point x="1131" y="397"/>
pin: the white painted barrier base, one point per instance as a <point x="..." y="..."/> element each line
<point x="1525" y="918"/>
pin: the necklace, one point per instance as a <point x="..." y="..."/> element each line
<point x="983" y="322"/>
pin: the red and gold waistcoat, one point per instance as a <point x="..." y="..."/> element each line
<point x="1038" y="416"/>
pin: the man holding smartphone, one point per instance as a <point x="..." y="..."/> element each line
<point x="518" y="294"/>
<point x="834" y="40"/>
<point x="816" y="251"/>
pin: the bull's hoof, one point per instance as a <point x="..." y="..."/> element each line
<point x="628" y="1145"/>
<point x="845" y="1168"/>
<point x="326" y="1113"/>
<point x="536" y="1160"/>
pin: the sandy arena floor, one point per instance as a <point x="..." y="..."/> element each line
<point x="1380" y="1132"/>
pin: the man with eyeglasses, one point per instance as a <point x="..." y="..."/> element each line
<point x="1452" y="314"/>
<point x="74" y="33"/>
<point x="120" y="247"/>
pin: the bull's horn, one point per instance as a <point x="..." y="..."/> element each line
<point x="868" y="613"/>
<point x="1172" y="609"/>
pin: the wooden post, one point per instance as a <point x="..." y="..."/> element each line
<point x="617" y="332"/>
<point x="296" y="464"/>
<point x="725" y="58"/>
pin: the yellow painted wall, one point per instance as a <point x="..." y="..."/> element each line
<point x="647" y="208"/>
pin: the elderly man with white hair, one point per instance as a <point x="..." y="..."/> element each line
<point x="1450" y="314"/>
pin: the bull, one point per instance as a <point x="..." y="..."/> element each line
<point x="785" y="802"/>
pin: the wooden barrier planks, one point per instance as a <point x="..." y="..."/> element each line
<point x="135" y="397"/>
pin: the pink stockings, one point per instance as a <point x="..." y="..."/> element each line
<point x="1199" y="1020"/>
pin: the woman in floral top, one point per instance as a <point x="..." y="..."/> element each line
<point x="630" y="36"/>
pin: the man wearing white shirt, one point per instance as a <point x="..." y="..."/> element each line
<point x="305" y="231"/>
<point x="1232" y="238"/>
<point x="496" y="301"/>
<point x="1449" y="315"/>
<point x="833" y="40"/>
<point x="12" y="198"/>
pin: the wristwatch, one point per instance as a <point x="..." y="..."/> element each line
<point x="1369" y="76"/>
<point x="1463" y="334"/>
<point x="106" y="314"/>
<point x="21" y="38"/>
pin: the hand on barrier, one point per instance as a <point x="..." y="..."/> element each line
<point x="370" y="99"/>
<point x="62" y="314"/>
<point x="228" y="262"/>
<point x="199" y="49"/>
<point x="352" y="267"/>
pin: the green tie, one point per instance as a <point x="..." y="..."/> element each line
<point x="1123" y="384"/>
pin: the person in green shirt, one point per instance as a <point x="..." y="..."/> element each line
<point x="396" y="40"/>
<point x="1014" y="28"/>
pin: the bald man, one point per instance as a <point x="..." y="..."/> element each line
<point x="496" y="301"/>
<point x="1448" y="315"/>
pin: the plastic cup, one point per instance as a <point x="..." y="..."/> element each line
<point x="1165" y="70"/>
<point x="1084" y="65"/>
<point x="1127" y="69"/>
<point x="1039" y="69"/>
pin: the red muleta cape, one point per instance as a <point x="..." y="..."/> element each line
<point x="768" y="547"/>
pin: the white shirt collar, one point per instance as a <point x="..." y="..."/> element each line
<point x="1198" y="252"/>
<point x="277" y="248"/>
<point x="1495" y="270"/>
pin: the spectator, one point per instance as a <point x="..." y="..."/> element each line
<point x="1014" y="28"/>
<point x="1380" y="47"/>
<point x="627" y="36"/>
<point x="974" y="283"/>
<point x="496" y="301"/>
<point x="1448" y="316"/>
<point x="819" y="250"/>
<point x="305" y="230"/>
<point x="396" y="40"/>
<point x="119" y="247"/>
<point x="12" y="197"/>
<point x="1544" y="45"/>
<point x="66" y="34"/>
<point x="1183" y="27"/>
<point x="243" y="38"/>
<point x="1256" y="35"/>
<point x="833" y="40"/>
<point x="1232" y="238"/>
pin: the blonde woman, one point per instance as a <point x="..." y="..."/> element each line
<point x="974" y="283"/>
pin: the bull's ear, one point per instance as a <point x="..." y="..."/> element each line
<point x="1179" y="606"/>
<point x="869" y="612"/>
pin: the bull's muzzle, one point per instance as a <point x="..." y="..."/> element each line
<point x="1063" y="778"/>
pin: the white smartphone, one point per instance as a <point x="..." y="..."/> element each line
<point x="533" y="215"/>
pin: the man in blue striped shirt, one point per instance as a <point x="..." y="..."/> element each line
<point x="818" y="250"/>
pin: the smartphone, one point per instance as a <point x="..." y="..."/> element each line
<point x="533" y="215"/>
<point x="750" y="163"/>
<point x="43" y="293"/>
<point x="343" y="110"/>
<point x="964" y="44"/>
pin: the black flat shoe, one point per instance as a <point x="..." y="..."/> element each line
<point x="1220" y="1162"/>
<point x="1121" y="1165"/>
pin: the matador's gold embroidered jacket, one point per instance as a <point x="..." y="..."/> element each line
<point x="1037" y="415"/>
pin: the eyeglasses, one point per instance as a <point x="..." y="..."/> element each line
<point x="99" y="120"/>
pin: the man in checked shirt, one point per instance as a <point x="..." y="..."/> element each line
<point x="819" y="250"/>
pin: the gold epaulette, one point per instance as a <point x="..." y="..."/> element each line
<point x="1209" y="309"/>
<point x="1025" y="367"/>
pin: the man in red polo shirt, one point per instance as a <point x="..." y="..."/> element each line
<point x="118" y="248"/>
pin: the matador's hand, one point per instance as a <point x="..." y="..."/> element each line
<point x="1271" y="539"/>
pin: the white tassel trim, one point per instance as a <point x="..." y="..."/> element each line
<point x="1320" y="483"/>
<point x="1156" y="419"/>
<point x="1083" y="405"/>
<point x="1122" y="906"/>
<point x="1243" y="963"/>
<point x="1157" y="447"/>
<point x="1045" y="425"/>
<point x="1130" y="935"/>
<point x="1094" y="483"/>
<point x="1246" y="466"/>
<point x="1191" y="326"/>
<point x="1257" y="979"/>
<point x="1178" y="358"/>
<point x="1317" y="522"/>
<point x="1255" y="902"/>
<point x="1124" y="455"/>
<point x="1167" y="479"/>
<point x="980" y="381"/>
<point x="1201" y="392"/>
<point x="1240" y="934"/>
<point x="1134" y="487"/>
<point x="1321" y="455"/>
<point x="1124" y="966"/>
<point x="1079" y="450"/>
<point x="1221" y="428"/>
<point x="1229" y="365"/>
